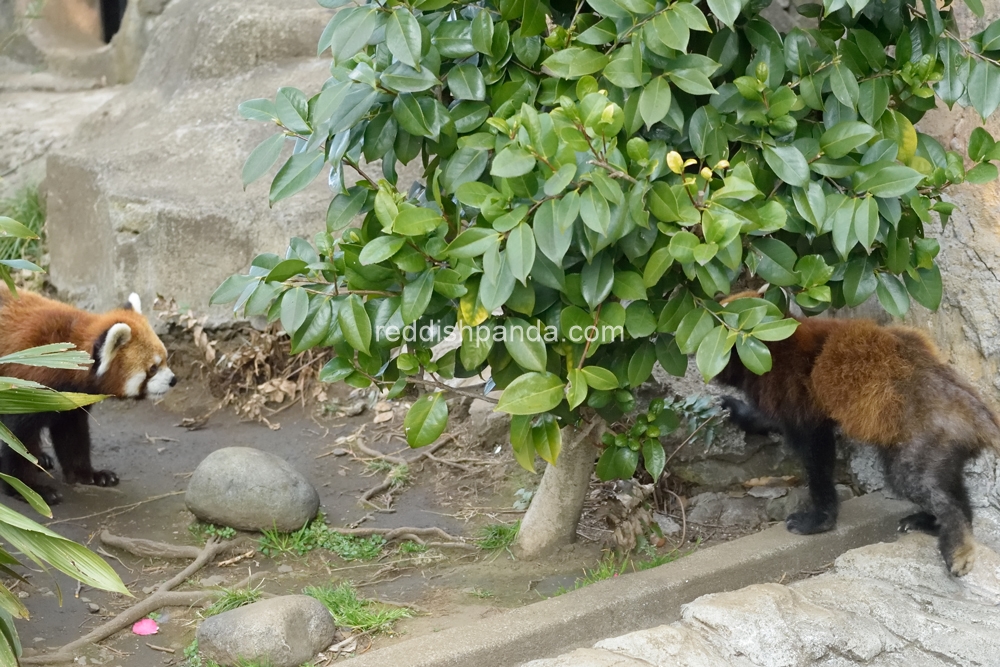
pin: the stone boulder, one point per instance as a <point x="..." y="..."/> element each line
<point x="251" y="490"/>
<point x="282" y="632"/>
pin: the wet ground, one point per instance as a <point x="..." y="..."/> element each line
<point x="153" y="455"/>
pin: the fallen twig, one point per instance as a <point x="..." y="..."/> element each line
<point x="162" y="649"/>
<point x="122" y="508"/>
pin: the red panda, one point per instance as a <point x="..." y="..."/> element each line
<point x="129" y="361"/>
<point x="883" y="385"/>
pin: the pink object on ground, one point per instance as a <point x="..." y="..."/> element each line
<point x="146" y="626"/>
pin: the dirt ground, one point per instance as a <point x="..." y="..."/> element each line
<point x="154" y="455"/>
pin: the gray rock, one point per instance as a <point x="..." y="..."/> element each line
<point x="251" y="490"/>
<point x="722" y="510"/>
<point x="667" y="524"/>
<point x="283" y="632"/>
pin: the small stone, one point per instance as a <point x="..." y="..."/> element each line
<point x="84" y="599"/>
<point x="284" y="569"/>
<point x="354" y="409"/>
<point x="339" y="451"/>
<point x="250" y="490"/>
<point x="768" y="491"/>
<point x="667" y="524"/>
<point x="93" y="608"/>
<point x="214" y="580"/>
<point x="38" y="640"/>
<point x="22" y="594"/>
<point x="146" y="590"/>
<point x="383" y="406"/>
<point x="284" y="631"/>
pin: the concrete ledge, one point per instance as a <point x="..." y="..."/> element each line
<point x="644" y="599"/>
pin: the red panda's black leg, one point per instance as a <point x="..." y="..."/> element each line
<point x="748" y="418"/>
<point x="816" y="446"/>
<point x="70" y="434"/>
<point x="924" y="522"/>
<point x="28" y="429"/>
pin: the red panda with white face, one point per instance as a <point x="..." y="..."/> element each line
<point x="130" y="361"/>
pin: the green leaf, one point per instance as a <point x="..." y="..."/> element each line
<point x="692" y="16"/>
<point x="670" y="357"/>
<point x="416" y="297"/>
<point x="866" y="221"/>
<point x="466" y="82"/>
<point x="230" y="289"/>
<point x="574" y="62"/>
<point x="887" y="181"/>
<point x="844" y="137"/>
<point x="380" y="249"/>
<point x="714" y="352"/>
<point x="653" y="456"/>
<point x="54" y="355"/>
<point x="30" y="496"/>
<point x="336" y="370"/>
<point x="576" y="388"/>
<point x="298" y="172"/>
<point x="512" y="162"/>
<point x="547" y="439"/>
<point x="859" y="281"/>
<point x="403" y="37"/>
<point x="656" y="266"/>
<point x="654" y="101"/>
<point x="292" y="109"/>
<point x="550" y="236"/>
<point x="873" y="99"/>
<point x="258" y="109"/>
<point x="354" y="323"/>
<point x="531" y="394"/>
<point x="521" y="251"/>
<point x="981" y="173"/>
<point x="426" y="419"/>
<point x="628" y="286"/>
<point x="788" y="164"/>
<point x="33" y="399"/>
<point x="596" y="279"/>
<point x="754" y="354"/>
<point x="617" y="463"/>
<point x="773" y="331"/>
<point x="42" y="545"/>
<point x="416" y="221"/>
<point x="844" y="85"/>
<point x="980" y="144"/>
<point x="482" y="33"/>
<point x="777" y="261"/>
<point x="925" y="286"/>
<point x="525" y="345"/>
<point x="294" y="309"/>
<point x="692" y="81"/>
<point x="594" y="210"/>
<point x="640" y="366"/>
<point x="600" y="378"/>
<point x="726" y="11"/>
<point x="976" y="6"/>
<point x="262" y="158"/>
<point x="672" y="30"/>
<point x="692" y="330"/>
<point x="344" y="207"/>
<point x="473" y="242"/>
<point x="639" y="320"/>
<point x="984" y="88"/>
<point x="892" y="295"/>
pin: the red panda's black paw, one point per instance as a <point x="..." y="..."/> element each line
<point x="810" y="523"/>
<point x="921" y="521"/>
<point x="48" y="494"/>
<point x="105" y="478"/>
<point x="46" y="461"/>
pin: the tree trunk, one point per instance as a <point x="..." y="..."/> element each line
<point x="555" y="510"/>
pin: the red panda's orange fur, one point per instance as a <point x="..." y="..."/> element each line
<point x="129" y="359"/>
<point x="883" y="385"/>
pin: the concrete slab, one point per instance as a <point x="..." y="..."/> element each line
<point x="645" y="599"/>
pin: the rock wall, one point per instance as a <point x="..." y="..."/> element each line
<point x="148" y="197"/>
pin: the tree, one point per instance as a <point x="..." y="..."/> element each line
<point x="34" y="541"/>
<point x="594" y="176"/>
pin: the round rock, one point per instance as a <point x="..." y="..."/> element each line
<point x="251" y="490"/>
<point x="283" y="631"/>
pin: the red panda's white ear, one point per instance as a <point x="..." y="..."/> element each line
<point x="134" y="303"/>
<point x="113" y="340"/>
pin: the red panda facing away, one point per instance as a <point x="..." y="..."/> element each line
<point x="886" y="386"/>
<point x="129" y="362"/>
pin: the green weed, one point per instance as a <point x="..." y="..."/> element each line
<point x="26" y="207"/>
<point x="497" y="536"/>
<point x="409" y="547"/>
<point x="203" y="531"/>
<point x="317" y="535"/>
<point x="232" y="598"/>
<point x="481" y="593"/>
<point x="354" y="612"/>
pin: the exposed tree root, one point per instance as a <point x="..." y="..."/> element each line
<point x="163" y="596"/>
<point x="417" y="535"/>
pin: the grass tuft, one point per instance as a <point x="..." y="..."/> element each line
<point x="203" y="531"/>
<point x="26" y="207"/>
<point x="232" y="598"/>
<point x="497" y="536"/>
<point x="357" y="613"/>
<point x="317" y="535"/>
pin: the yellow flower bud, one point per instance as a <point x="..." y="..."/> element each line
<point x="675" y="162"/>
<point x="706" y="173"/>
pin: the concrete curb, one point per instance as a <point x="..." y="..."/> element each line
<point x="644" y="599"/>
